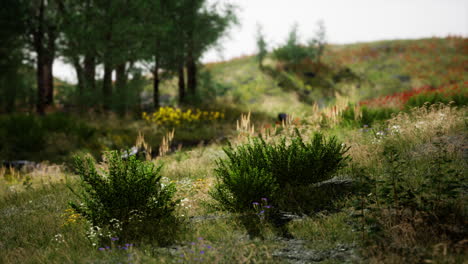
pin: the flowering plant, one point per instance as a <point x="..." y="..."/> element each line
<point x="170" y="116"/>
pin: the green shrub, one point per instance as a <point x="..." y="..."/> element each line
<point x="259" y="169"/>
<point x="20" y="135"/>
<point x="25" y="136"/>
<point x="128" y="198"/>
<point x="368" y="115"/>
<point x="457" y="99"/>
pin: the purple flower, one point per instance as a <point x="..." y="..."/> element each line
<point x="129" y="245"/>
<point x="114" y="238"/>
<point x="268" y="206"/>
<point x="102" y="249"/>
<point x="107" y="247"/>
<point x="255" y="203"/>
<point x="261" y="212"/>
<point x="202" y="252"/>
<point x="192" y="243"/>
<point x="124" y="248"/>
<point x="208" y="246"/>
<point x="264" y="199"/>
<point x="200" y="238"/>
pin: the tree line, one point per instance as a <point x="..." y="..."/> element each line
<point x="125" y="37"/>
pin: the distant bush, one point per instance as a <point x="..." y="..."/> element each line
<point x="362" y="116"/>
<point x="292" y="52"/>
<point x="25" y="136"/>
<point x="457" y="99"/>
<point x="128" y="198"/>
<point x="259" y="169"/>
<point x="19" y="135"/>
<point x="169" y="116"/>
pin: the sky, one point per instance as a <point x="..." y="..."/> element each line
<point x="346" y="21"/>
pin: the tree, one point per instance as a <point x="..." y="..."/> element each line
<point x="42" y="30"/>
<point x="205" y="25"/>
<point x="78" y="43"/>
<point x="261" y="46"/>
<point x="180" y="32"/>
<point x="292" y="52"/>
<point x="12" y="28"/>
<point x="319" y="41"/>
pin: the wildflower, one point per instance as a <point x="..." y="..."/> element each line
<point x="380" y="133"/>
<point x="264" y="199"/>
<point x="114" y="238"/>
<point x="101" y="249"/>
<point x="202" y="252"/>
<point x="255" y="203"/>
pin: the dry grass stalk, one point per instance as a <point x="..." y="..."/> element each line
<point x="166" y="143"/>
<point x="244" y="127"/>
<point x="424" y="123"/>
<point x="141" y="144"/>
<point x="2" y="172"/>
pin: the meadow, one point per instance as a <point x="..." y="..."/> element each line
<point x="369" y="167"/>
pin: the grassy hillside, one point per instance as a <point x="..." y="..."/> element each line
<point x="384" y="181"/>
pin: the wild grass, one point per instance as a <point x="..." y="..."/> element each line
<point x="428" y="227"/>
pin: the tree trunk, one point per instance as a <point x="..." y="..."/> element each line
<point x="50" y="57"/>
<point x="90" y="72"/>
<point x="156" y="88"/>
<point x="38" y="36"/>
<point x="79" y="76"/>
<point x="181" y="84"/>
<point x="191" y="74"/>
<point x="121" y="76"/>
<point x="121" y="87"/>
<point x="49" y="81"/>
<point x="107" y="86"/>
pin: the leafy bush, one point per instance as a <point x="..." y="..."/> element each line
<point x="259" y="169"/>
<point x="26" y="136"/>
<point x="423" y="188"/>
<point x="169" y="116"/>
<point x="457" y="99"/>
<point x="292" y="52"/>
<point x="365" y="115"/>
<point x="128" y="198"/>
<point x="20" y="135"/>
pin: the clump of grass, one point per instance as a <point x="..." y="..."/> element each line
<point x="257" y="169"/>
<point x="128" y="199"/>
<point x="411" y="196"/>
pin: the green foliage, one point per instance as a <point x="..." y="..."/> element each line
<point x="456" y="99"/>
<point x="25" y="136"/>
<point x="292" y="52"/>
<point x="20" y="135"/>
<point x="431" y="189"/>
<point x="13" y="85"/>
<point x="260" y="169"/>
<point x="261" y="46"/>
<point x="128" y="198"/>
<point x="367" y="116"/>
